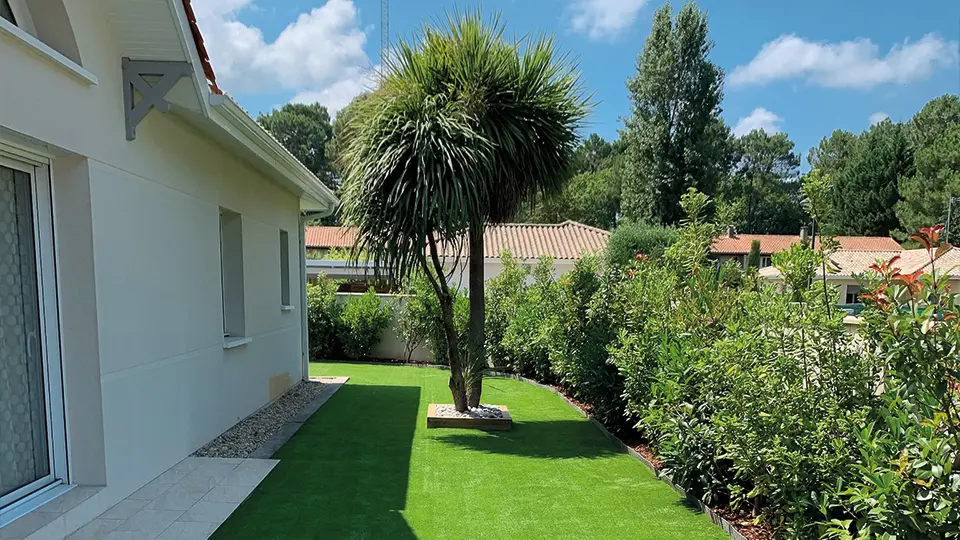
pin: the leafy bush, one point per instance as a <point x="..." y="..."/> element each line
<point x="527" y="339"/>
<point x="420" y="322"/>
<point x="629" y="239"/>
<point x="323" y="320"/>
<point x="504" y="294"/>
<point x="761" y="400"/>
<point x="363" y="318"/>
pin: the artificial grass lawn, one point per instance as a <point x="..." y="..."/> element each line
<point x="365" y="467"/>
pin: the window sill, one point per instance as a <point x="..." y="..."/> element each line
<point x="233" y="342"/>
<point x="41" y="509"/>
<point x="20" y="37"/>
<point x="286" y="307"/>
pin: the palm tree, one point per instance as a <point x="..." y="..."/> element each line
<point x="463" y="129"/>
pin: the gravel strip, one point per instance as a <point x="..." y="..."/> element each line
<point x="483" y="411"/>
<point x="251" y="432"/>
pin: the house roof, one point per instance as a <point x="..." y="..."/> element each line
<point x="772" y="243"/>
<point x="201" y="49"/>
<point x="854" y="262"/>
<point x="568" y="240"/>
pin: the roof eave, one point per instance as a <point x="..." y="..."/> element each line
<point x="315" y="197"/>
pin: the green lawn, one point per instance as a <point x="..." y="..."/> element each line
<point x="366" y="467"/>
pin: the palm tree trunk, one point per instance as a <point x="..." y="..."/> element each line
<point x="475" y="334"/>
<point x="458" y="387"/>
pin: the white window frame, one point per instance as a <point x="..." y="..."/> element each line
<point x="846" y="294"/>
<point x="13" y="503"/>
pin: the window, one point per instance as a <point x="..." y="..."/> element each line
<point x="284" y="268"/>
<point x="231" y="274"/>
<point x="853" y="294"/>
<point x="765" y="261"/>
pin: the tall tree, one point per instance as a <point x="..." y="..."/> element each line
<point x="340" y="133"/>
<point x="593" y="154"/>
<point x="304" y="130"/>
<point x="464" y="129"/>
<point x="866" y="191"/>
<point x="834" y="153"/>
<point x="676" y="137"/>
<point x="762" y="195"/>
<point x="935" y="133"/>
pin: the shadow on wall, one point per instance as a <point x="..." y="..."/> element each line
<point x="338" y="477"/>
<point x="551" y="439"/>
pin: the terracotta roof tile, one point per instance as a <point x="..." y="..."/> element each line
<point x="772" y="243"/>
<point x="201" y="48"/>
<point x="567" y="240"/>
<point x="852" y="262"/>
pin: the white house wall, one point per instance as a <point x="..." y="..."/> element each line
<point x="139" y="268"/>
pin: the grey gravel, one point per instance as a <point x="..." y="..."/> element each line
<point x="483" y="411"/>
<point x="251" y="432"/>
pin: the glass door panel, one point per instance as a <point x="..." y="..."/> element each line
<point x="25" y="457"/>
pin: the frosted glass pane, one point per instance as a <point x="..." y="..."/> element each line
<point x="24" y="456"/>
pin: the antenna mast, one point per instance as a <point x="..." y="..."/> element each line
<point x="384" y="31"/>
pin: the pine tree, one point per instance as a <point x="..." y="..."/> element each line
<point x="866" y="191"/>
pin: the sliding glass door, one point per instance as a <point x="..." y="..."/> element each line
<point x="31" y="412"/>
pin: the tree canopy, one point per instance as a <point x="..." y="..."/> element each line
<point x="675" y="135"/>
<point x="305" y="131"/>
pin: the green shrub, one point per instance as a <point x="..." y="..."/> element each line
<point x="420" y="322"/>
<point x="629" y="239"/>
<point x="323" y="320"/>
<point x="363" y="319"/>
<point x="504" y="295"/>
<point x="526" y="342"/>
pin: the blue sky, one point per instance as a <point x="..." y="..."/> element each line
<point x="803" y="68"/>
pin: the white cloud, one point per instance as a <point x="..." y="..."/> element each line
<point x="319" y="54"/>
<point x="846" y="64"/>
<point x="878" y="117"/>
<point x="760" y="118"/>
<point x="601" y="19"/>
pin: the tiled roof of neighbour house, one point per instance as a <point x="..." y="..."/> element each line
<point x="330" y="237"/>
<point x="854" y="262"/>
<point x="568" y="240"/>
<point x="201" y="49"/>
<point x="771" y="243"/>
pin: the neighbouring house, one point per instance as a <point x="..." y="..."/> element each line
<point x="851" y="263"/>
<point x="565" y="243"/>
<point x="733" y="246"/>
<point x="151" y="256"/>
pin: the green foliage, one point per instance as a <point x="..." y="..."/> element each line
<point x="323" y="320"/>
<point x="935" y="133"/>
<point x="305" y="131"/>
<point x="630" y="239"/>
<point x="363" y="319"/>
<point x="798" y="264"/>
<point x="420" y="320"/>
<point x="866" y="191"/>
<point x="753" y="257"/>
<point x="503" y="295"/>
<point x="676" y="137"/>
<point x="527" y="338"/>
<point x="762" y="400"/>
<point x="762" y="193"/>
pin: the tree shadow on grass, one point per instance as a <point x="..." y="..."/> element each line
<point x="343" y="475"/>
<point x="551" y="439"/>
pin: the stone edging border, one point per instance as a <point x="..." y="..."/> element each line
<point x="271" y="445"/>
<point x="716" y="518"/>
